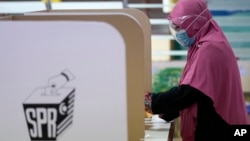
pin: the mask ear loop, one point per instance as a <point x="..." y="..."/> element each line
<point x="203" y="27"/>
<point x="196" y="18"/>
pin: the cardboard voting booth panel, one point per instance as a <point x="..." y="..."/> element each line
<point x="72" y="78"/>
<point x="138" y="15"/>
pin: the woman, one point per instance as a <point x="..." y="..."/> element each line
<point x="209" y="97"/>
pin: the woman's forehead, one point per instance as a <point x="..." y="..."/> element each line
<point x="178" y="21"/>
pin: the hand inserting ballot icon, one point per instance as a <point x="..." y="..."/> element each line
<point x="49" y="108"/>
<point x="57" y="82"/>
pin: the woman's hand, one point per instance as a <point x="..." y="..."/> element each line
<point x="147" y="102"/>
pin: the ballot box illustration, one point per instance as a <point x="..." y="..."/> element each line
<point x="48" y="115"/>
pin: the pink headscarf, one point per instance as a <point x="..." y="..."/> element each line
<point x="211" y="67"/>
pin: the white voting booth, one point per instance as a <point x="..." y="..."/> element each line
<point x="137" y="15"/>
<point x="79" y="74"/>
<point x="72" y="78"/>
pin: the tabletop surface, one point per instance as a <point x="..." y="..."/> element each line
<point x="156" y="129"/>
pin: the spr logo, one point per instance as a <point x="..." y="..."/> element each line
<point x="49" y="110"/>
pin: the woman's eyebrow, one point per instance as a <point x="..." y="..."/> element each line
<point x="176" y="26"/>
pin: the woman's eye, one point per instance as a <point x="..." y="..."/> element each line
<point x="176" y="28"/>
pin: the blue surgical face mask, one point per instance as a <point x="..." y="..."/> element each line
<point x="183" y="39"/>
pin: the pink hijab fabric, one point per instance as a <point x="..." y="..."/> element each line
<point x="211" y="67"/>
